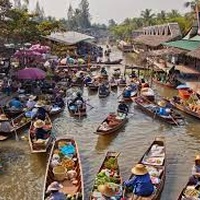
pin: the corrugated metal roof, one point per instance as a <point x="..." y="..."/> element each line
<point x="183" y="44"/>
<point x="69" y="37"/>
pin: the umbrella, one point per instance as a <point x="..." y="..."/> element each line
<point x="30" y="74"/>
<point x="40" y="48"/>
<point x="182" y="86"/>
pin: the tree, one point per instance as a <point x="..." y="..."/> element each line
<point x="5" y="5"/>
<point x="111" y="23"/>
<point x="39" y="12"/>
<point x="70" y="17"/>
<point x="147" y="17"/>
<point x="192" y="4"/>
<point x="173" y="14"/>
<point x="85" y="14"/>
<point x="161" y="16"/>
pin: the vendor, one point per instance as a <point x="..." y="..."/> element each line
<point x="103" y="71"/>
<point x="106" y="192"/>
<point x="122" y="107"/>
<point x="39" y="111"/>
<point x="55" y="194"/>
<point x="141" y="182"/>
<point x="59" y="101"/>
<point x="40" y="133"/>
<point x="31" y="102"/>
<point x="195" y="178"/>
<point x="163" y="109"/>
<point x="127" y="92"/>
<point x="16" y="103"/>
<point x="5" y="125"/>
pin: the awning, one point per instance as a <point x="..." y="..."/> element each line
<point x="189" y="45"/>
<point x="69" y="37"/>
<point x="152" y="40"/>
<point x="195" y="53"/>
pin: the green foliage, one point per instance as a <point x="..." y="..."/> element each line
<point x="147" y="17"/>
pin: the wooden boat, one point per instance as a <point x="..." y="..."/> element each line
<point x="151" y="109"/>
<point x="169" y="85"/>
<point x="186" y="109"/>
<point x="111" y="62"/>
<point x="190" y="192"/>
<point x="12" y="112"/>
<point x="134" y="93"/>
<point x="148" y="93"/>
<point x="105" y="129"/>
<point x="19" y="123"/>
<point x="75" y="112"/>
<point x="155" y="161"/>
<point x="111" y="157"/>
<point x="104" y="93"/>
<point x="41" y="146"/>
<point x="113" y="86"/>
<point x="93" y="87"/>
<point x="71" y="163"/>
<point x="56" y="111"/>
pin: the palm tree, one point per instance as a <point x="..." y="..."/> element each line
<point x="173" y="14"/>
<point x="192" y="4"/>
<point x="147" y="17"/>
<point x="161" y="16"/>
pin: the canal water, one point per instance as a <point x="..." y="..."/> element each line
<point x="23" y="174"/>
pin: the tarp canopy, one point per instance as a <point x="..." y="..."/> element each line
<point x="183" y="44"/>
<point x="69" y="38"/>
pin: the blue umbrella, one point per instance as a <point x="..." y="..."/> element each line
<point x="182" y="86"/>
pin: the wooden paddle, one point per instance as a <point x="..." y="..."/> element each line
<point x="15" y="131"/>
<point x="174" y="120"/>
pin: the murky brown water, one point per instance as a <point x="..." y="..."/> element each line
<point x="23" y="175"/>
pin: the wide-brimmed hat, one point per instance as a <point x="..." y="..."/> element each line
<point x="39" y="104"/>
<point x="197" y="157"/>
<point x="106" y="190"/>
<point x="39" y="123"/>
<point x="32" y="98"/>
<point x="3" y="117"/>
<point x="162" y="103"/>
<point x="54" y="186"/>
<point x="139" y="169"/>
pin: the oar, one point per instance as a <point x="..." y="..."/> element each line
<point x="15" y="131"/>
<point x="89" y="105"/>
<point x="174" y="120"/>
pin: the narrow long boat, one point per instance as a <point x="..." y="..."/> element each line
<point x="134" y="93"/>
<point x="110" y="163"/>
<point x="93" y="87"/>
<point x="42" y="145"/>
<point x="104" y="93"/>
<point x="151" y="109"/>
<point x="69" y="159"/>
<point x="19" y="123"/>
<point x="148" y="93"/>
<point x="113" y="62"/>
<point x="168" y="85"/>
<point x="75" y="112"/>
<point x="190" y="192"/>
<point x="105" y="128"/>
<point x="184" y="109"/>
<point x="155" y="161"/>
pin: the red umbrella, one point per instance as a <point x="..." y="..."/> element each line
<point x="30" y="74"/>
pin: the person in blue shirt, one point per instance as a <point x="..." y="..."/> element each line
<point x="122" y="107"/>
<point x="140" y="182"/>
<point x="127" y="92"/>
<point x="54" y="192"/>
<point x="16" y="103"/>
<point x="163" y="109"/>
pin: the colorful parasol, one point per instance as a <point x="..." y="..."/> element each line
<point x="30" y="74"/>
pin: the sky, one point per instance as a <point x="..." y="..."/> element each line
<point x="103" y="10"/>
